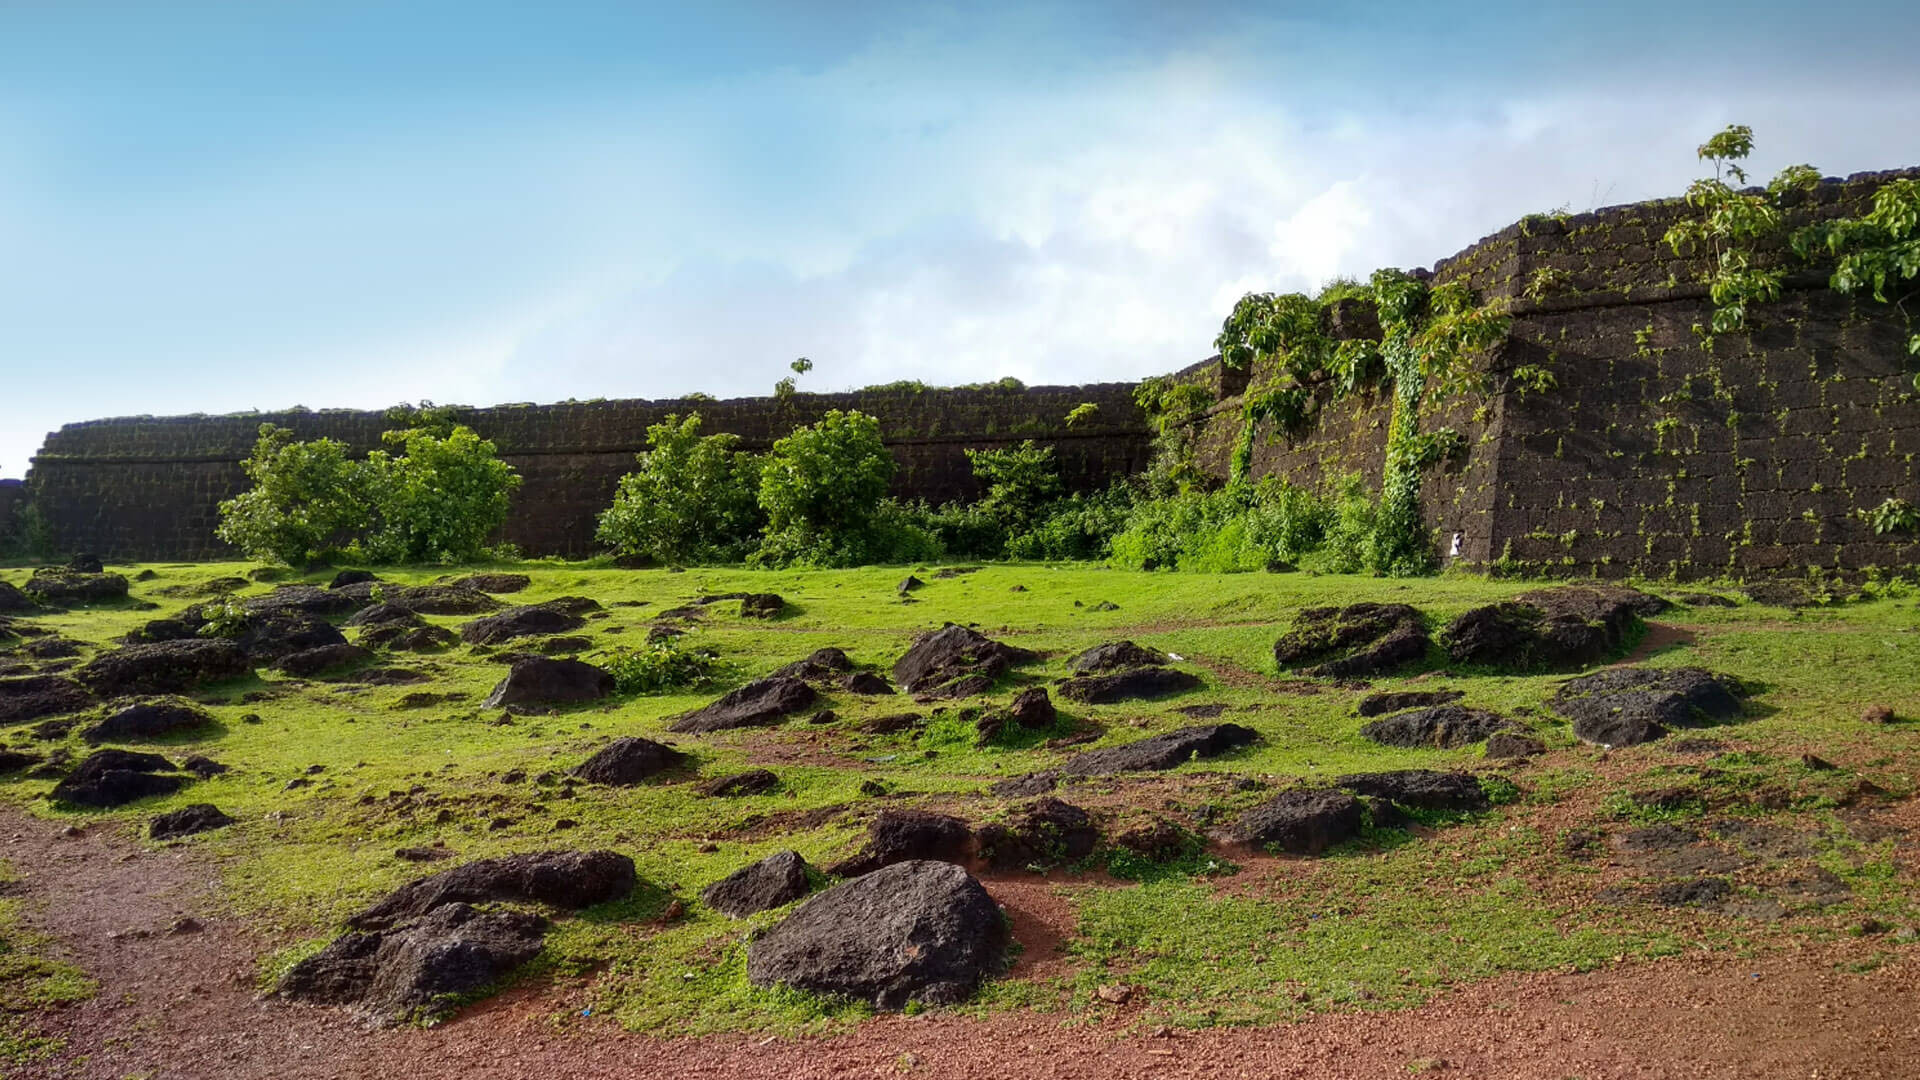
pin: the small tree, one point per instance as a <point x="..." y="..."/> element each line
<point x="1022" y="482"/>
<point x="694" y="499"/>
<point x="439" y="500"/>
<point x="307" y="498"/>
<point x="821" y="487"/>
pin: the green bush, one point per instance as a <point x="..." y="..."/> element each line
<point x="1249" y="527"/>
<point x="660" y="666"/>
<point x="694" y="499"/>
<point x="307" y="498"/>
<point x="1021" y="483"/>
<point x="1080" y="526"/>
<point x="822" y="488"/>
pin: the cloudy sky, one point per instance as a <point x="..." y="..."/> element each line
<point x="207" y="207"/>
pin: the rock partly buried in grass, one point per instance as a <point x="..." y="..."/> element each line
<point x="1031" y="710"/>
<point x="761" y="605"/>
<point x="866" y="683"/>
<point x="1419" y="789"/>
<point x="351" y="577"/>
<point x="1549" y="629"/>
<point x="1163" y="751"/>
<point x="33" y="697"/>
<point x="385" y="614"/>
<point x="1706" y="599"/>
<point x="775" y="881"/>
<point x="411" y="972"/>
<point x="628" y="761"/>
<point x="1300" y="821"/>
<point x="1780" y="593"/>
<point x="898" y="836"/>
<point x="308" y="600"/>
<point x="516" y="622"/>
<point x="186" y="821"/>
<point x="1044" y="833"/>
<point x="765" y="701"/>
<point x="916" y="931"/>
<point x="751" y="782"/>
<point x="164" y="667"/>
<point x="493" y="583"/>
<point x="12" y="761"/>
<point x="62" y="587"/>
<point x="400" y="637"/>
<point x="269" y="637"/>
<point x="1156" y="840"/>
<point x="1352" y="642"/>
<point x="1131" y="684"/>
<point x="425" y="599"/>
<point x="1626" y="706"/>
<point x="1393" y="702"/>
<point x="155" y="719"/>
<point x="955" y="662"/>
<point x="309" y="662"/>
<point x="561" y="879"/>
<point x="544" y="680"/>
<point x="12" y="599"/>
<point x="822" y="665"/>
<point x="1112" y="656"/>
<point x="108" y="778"/>
<point x="1442" y="726"/>
<point x="1514" y="744"/>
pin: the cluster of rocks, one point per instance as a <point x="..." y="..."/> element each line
<point x="1309" y="819"/>
<point x="1123" y="671"/>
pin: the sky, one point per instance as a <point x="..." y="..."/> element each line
<point x="214" y="207"/>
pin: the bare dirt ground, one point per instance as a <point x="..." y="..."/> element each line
<point x="183" y="1006"/>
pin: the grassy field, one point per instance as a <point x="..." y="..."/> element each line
<point x="1220" y="939"/>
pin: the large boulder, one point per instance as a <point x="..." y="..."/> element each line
<point x="764" y="701"/>
<point x="1419" y="789"/>
<point x="562" y="879"/>
<point x="63" y="587"/>
<point x="1442" y="726"/>
<point x="1548" y="629"/>
<point x="12" y="599"/>
<point x="33" y="697"/>
<point x="628" y="761"/>
<point x="164" y="667"/>
<point x="154" y="719"/>
<point x="1046" y="832"/>
<point x="955" y="662"/>
<point x="109" y="778"/>
<point x="1300" y="821"/>
<point x="1163" y="751"/>
<point x="1353" y="642"/>
<point x="897" y="836"/>
<point x="536" y="681"/>
<point x="1113" y="656"/>
<point x="493" y="583"/>
<point x="915" y="931"/>
<point x="271" y="636"/>
<point x="775" y="881"/>
<point x="1629" y="705"/>
<point x="187" y="821"/>
<point x="412" y="971"/>
<point x="1128" y="684"/>
<point x="516" y="622"/>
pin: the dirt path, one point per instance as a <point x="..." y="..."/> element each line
<point x="182" y="1006"/>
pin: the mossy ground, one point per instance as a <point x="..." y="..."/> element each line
<point x="1382" y="923"/>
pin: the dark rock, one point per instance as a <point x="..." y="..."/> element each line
<point x="1419" y="789"/>
<point x="1105" y="605"/>
<point x="910" y="583"/>
<point x="1705" y="599"/>
<point x="1514" y="744"/>
<point x="1047" y="832"/>
<point x="351" y="577"/>
<point x="1031" y="710"/>
<point x="410" y="972"/>
<point x="1300" y="821"/>
<point x="628" y="761"/>
<point x="399" y="637"/>
<point x="955" y="662"/>
<point x="1211" y="710"/>
<point x="1132" y="684"/>
<point x="309" y="662"/>
<point x="1114" y="655"/>
<point x="164" y="667"/>
<point x="85" y="562"/>
<point x="562" y="879"/>
<point x="541" y="680"/>
<point x="1157" y="840"/>
<point x="559" y="645"/>
<point x="766" y="701"/>
<point x="824" y="665"/>
<point x="1692" y="892"/>
<point x="1549" y="629"/>
<point x="751" y="782"/>
<point x="108" y="778"/>
<point x="516" y="622"/>
<point x="1382" y="704"/>
<point x="493" y="583"/>
<point x="901" y="835"/>
<point x="203" y="766"/>
<point x="51" y="647"/>
<point x="1442" y="726"/>
<point x="270" y="636"/>
<point x="154" y="719"/>
<point x="1163" y="751"/>
<point x="309" y="600"/>
<point x="824" y="716"/>
<point x="385" y="614"/>
<point x="891" y="725"/>
<point x="1025" y="787"/>
<point x="1353" y="642"/>
<point x="425" y="599"/>
<point x="1625" y="706"/>
<point x="61" y="587"/>
<point x="12" y="599"/>
<point x="12" y="761"/>
<point x="761" y="605"/>
<point x="1776" y="593"/>
<point x="775" y="881"/>
<point x="36" y="696"/>
<point x="915" y="931"/>
<point x="1878" y="714"/>
<point x="867" y="683"/>
<point x="198" y="818"/>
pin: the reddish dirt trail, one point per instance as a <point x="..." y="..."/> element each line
<point x="183" y="1007"/>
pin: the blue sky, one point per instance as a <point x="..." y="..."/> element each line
<point x="207" y="207"/>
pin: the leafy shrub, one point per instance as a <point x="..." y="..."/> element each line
<point x="1021" y="482"/>
<point x="307" y="498"/>
<point x="694" y="499"/>
<point x="821" y="487"/>
<point x="439" y="499"/>
<point x="226" y="618"/>
<point x="1238" y="528"/>
<point x="1080" y="526"/>
<point x="660" y="666"/>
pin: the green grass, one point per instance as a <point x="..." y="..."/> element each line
<point x="1381" y="924"/>
<point x="31" y="980"/>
